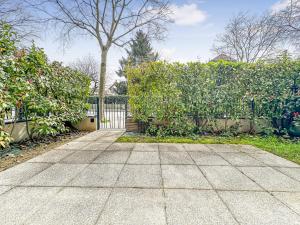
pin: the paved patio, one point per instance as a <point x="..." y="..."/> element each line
<point x="95" y="181"/>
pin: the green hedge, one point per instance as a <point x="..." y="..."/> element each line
<point x="50" y="94"/>
<point x="182" y="98"/>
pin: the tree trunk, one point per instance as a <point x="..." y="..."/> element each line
<point x="102" y="81"/>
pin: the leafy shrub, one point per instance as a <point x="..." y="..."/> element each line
<point x="50" y="94"/>
<point x="174" y="93"/>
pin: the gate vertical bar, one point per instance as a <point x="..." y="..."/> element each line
<point x="98" y="112"/>
<point x="126" y="111"/>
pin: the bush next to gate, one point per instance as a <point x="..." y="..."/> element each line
<point x="49" y="94"/>
<point x="182" y="99"/>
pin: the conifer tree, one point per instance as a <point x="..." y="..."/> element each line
<point x="139" y="51"/>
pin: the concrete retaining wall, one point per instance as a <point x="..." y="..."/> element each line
<point x="244" y="125"/>
<point x="19" y="132"/>
<point x="87" y="124"/>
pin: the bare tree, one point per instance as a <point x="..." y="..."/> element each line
<point x="110" y="22"/>
<point x="89" y="66"/>
<point x="249" y="38"/>
<point x="14" y="13"/>
<point x="288" y="19"/>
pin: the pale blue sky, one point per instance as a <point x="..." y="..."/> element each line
<point x="190" y="38"/>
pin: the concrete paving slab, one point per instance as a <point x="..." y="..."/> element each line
<point x="97" y="146"/>
<point x="208" y="159"/>
<point x="56" y="175"/>
<point x="121" y="147"/>
<point x="144" y="158"/>
<point x="273" y="160"/>
<point x="110" y="139"/>
<point x="149" y="147"/>
<point x="21" y="173"/>
<point x="81" y="157"/>
<point x="240" y="159"/>
<point x="97" y="175"/>
<point x="21" y="203"/>
<point x="110" y="133"/>
<point x="74" y="145"/>
<point x="271" y="179"/>
<point x="91" y="136"/>
<point x="228" y="178"/>
<point x="86" y="138"/>
<point x="108" y="136"/>
<point x="249" y="149"/>
<point x="183" y="176"/>
<point x="172" y="158"/>
<point x="195" y="207"/>
<point x="258" y="208"/>
<point x="147" y="176"/>
<point x="290" y="199"/>
<point x="72" y="206"/>
<point x="224" y="148"/>
<point x="75" y="197"/>
<point x="291" y="172"/>
<point x="53" y="156"/>
<point x="196" y="148"/>
<point x="134" y="207"/>
<point x="4" y="189"/>
<point x="112" y="157"/>
<point x="171" y="147"/>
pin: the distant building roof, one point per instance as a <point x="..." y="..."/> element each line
<point x="222" y="57"/>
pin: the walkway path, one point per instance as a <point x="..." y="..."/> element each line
<point x="95" y="181"/>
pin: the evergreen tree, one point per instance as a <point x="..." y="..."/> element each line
<point x="140" y="51"/>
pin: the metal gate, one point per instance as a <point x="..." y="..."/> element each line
<point x="112" y="114"/>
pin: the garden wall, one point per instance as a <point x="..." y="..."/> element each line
<point x="219" y="125"/>
<point x="19" y="132"/>
<point x="87" y="124"/>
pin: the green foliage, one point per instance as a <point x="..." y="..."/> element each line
<point x="198" y="94"/>
<point x="140" y="51"/>
<point x="50" y="94"/>
<point x="120" y="87"/>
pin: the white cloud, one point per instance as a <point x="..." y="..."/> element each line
<point x="187" y="14"/>
<point x="278" y="6"/>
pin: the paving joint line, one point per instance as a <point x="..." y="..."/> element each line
<point x="271" y="194"/>
<point x="51" y="164"/>
<point x="61" y="187"/>
<point x="145" y="188"/>
<point x="9" y="188"/>
<point x="112" y="190"/>
<point x="163" y="186"/>
<point x="267" y="166"/>
<point x="213" y="188"/>
<point x="277" y="169"/>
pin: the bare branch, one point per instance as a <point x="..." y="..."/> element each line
<point x="288" y="19"/>
<point x="14" y="12"/>
<point x="89" y="66"/>
<point x="248" y="38"/>
<point x="110" y="22"/>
